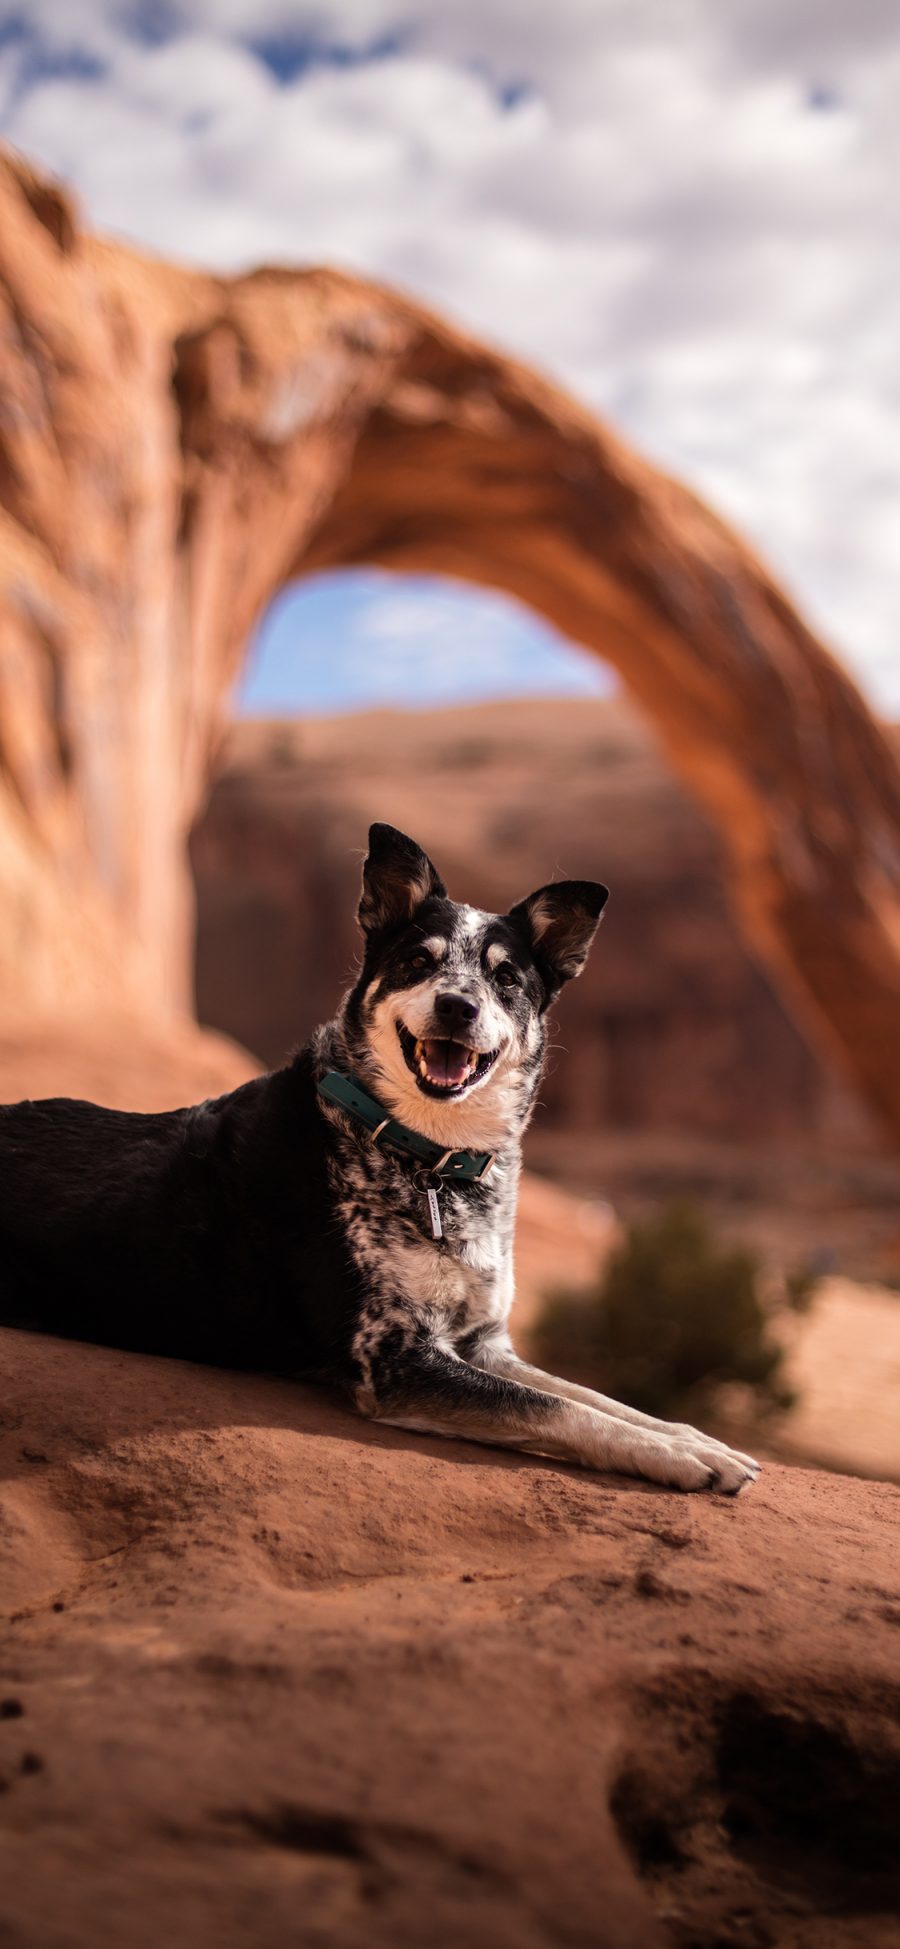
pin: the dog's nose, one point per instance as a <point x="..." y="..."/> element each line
<point x="454" y="1011"/>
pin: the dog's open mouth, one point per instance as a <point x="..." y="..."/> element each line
<point x="443" y="1067"/>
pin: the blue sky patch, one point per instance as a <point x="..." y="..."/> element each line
<point x="291" y="54"/>
<point x="355" y="639"/>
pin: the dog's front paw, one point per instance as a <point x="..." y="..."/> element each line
<point x="685" y="1459"/>
<point x="729" y="1461"/>
<point x="728" y="1470"/>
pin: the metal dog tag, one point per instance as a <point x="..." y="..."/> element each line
<point x="434" y="1213"/>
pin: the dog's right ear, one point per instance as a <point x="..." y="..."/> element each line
<point x="562" y="919"/>
<point x="397" y="877"/>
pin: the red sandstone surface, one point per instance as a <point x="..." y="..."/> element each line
<point x="269" y="1674"/>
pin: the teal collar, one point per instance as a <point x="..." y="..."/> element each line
<point x="355" y="1101"/>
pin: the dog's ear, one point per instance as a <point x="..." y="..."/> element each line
<point x="397" y="877"/>
<point x="562" y="920"/>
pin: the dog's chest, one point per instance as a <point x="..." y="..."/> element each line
<point x="460" y="1284"/>
<point x="461" y="1281"/>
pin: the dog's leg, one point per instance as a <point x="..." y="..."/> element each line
<point x="414" y="1382"/>
<point x="495" y="1356"/>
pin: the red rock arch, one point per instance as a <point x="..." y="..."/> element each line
<point x="180" y="446"/>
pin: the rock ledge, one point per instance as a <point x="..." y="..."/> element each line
<point x="265" y="1668"/>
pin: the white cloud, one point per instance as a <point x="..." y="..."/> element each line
<point x="687" y="214"/>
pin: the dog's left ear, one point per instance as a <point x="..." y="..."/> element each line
<point x="562" y="920"/>
<point x="397" y="877"/>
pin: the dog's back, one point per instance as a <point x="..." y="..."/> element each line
<point x="87" y="1216"/>
<point x="199" y="1232"/>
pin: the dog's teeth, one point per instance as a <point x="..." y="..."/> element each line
<point x="429" y="1074"/>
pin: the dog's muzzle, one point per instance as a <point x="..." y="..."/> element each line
<point x="443" y="1065"/>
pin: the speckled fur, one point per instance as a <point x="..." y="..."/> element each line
<point x="267" y="1230"/>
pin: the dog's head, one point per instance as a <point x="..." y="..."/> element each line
<point x="446" y="1023"/>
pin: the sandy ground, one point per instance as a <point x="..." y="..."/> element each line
<point x="845" y="1364"/>
<point x="269" y="1675"/>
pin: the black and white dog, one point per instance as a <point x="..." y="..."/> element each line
<point x="350" y="1216"/>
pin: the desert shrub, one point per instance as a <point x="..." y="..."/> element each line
<point x="800" y="1286"/>
<point x="673" y="1317"/>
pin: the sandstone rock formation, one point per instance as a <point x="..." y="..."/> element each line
<point x="271" y="1675"/>
<point x="176" y="446"/>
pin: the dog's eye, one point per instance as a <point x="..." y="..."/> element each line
<point x="506" y="976"/>
<point x="420" y="961"/>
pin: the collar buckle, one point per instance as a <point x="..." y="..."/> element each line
<point x="439" y="1163"/>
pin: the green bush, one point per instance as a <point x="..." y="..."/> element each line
<point x="673" y="1317"/>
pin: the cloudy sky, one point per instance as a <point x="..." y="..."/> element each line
<point x="685" y="209"/>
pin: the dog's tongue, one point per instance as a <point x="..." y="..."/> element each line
<point x="448" y="1063"/>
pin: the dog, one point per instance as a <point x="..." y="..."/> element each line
<point x="349" y="1217"/>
